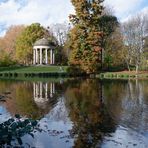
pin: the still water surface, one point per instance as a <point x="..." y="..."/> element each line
<point x="80" y="113"/>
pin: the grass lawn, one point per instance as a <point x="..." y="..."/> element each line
<point x="124" y="74"/>
<point x="34" y="69"/>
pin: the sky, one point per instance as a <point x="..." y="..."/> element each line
<point x="47" y="12"/>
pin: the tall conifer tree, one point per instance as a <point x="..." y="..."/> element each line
<point x="85" y="37"/>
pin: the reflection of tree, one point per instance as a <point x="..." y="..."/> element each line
<point x="114" y="91"/>
<point x="22" y="101"/>
<point x="127" y="100"/>
<point x="89" y="115"/>
<point x="134" y="105"/>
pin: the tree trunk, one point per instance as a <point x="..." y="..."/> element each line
<point x="128" y="66"/>
<point x="137" y="69"/>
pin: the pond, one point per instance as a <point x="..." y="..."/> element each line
<point x="79" y="112"/>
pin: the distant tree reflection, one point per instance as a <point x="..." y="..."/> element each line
<point x="91" y="120"/>
<point x="128" y="101"/>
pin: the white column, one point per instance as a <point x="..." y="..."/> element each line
<point x="53" y="57"/>
<point x="34" y="58"/>
<point x="37" y="57"/>
<point x="46" y="56"/>
<point x="40" y="56"/>
<point x="50" y="56"/>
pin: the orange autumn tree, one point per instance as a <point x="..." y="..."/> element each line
<point x="85" y="36"/>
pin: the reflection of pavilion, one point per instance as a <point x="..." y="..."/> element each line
<point x="42" y="91"/>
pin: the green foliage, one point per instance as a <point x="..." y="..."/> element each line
<point x="108" y="24"/>
<point x="60" y="57"/>
<point x="6" y="60"/>
<point x="108" y="60"/>
<point x="24" y="43"/>
<point x="112" y="42"/>
<point x="115" y="49"/>
<point x="75" y="70"/>
<point x="7" y="42"/>
<point x="85" y="36"/>
<point x="15" y="128"/>
<point x="144" y="57"/>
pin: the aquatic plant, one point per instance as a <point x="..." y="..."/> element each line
<point x="15" y="128"/>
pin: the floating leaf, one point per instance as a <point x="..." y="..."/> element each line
<point x="14" y="129"/>
<point x="34" y="123"/>
<point x="17" y="116"/>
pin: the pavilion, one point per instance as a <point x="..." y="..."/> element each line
<point x="40" y="52"/>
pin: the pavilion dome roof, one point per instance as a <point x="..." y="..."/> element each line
<point x="43" y="42"/>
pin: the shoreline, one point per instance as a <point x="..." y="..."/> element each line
<point x="35" y="72"/>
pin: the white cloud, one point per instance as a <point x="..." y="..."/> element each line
<point x="46" y="12"/>
<point x="124" y="8"/>
<point x="143" y="11"/>
<point x="2" y="33"/>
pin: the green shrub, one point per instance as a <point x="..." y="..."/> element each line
<point x="75" y="70"/>
<point x="15" y="128"/>
<point x="15" y="74"/>
<point x="101" y="75"/>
